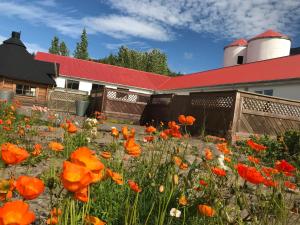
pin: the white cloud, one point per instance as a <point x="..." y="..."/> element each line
<point x="188" y="55"/>
<point x="222" y="18"/>
<point x="31" y="47"/>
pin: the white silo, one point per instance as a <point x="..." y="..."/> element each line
<point x="235" y="53"/>
<point x="268" y="45"/>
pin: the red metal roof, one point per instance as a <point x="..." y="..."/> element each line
<point x="270" y="34"/>
<point x="83" y="69"/>
<point x="268" y="70"/>
<point x="239" y="42"/>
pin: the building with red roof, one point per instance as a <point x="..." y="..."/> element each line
<point x="267" y="68"/>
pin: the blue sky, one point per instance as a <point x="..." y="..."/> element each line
<point x="191" y="32"/>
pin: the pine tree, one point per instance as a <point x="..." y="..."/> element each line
<point x="54" y="49"/>
<point x="81" y="51"/>
<point x="63" y="49"/>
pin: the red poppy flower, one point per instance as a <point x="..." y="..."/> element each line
<point x="134" y="186"/>
<point x="255" y="146"/>
<point x="250" y="174"/>
<point x="218" y="171"/>
<point x="284" y="166"/>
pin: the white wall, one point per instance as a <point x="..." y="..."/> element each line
<point x="60" y="82"/>
<point x="231" y="54"/>
<point x="85" y="86"/>
<point x="267" y="48"/>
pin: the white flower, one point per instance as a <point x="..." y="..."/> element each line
<point x="88" y="139"/>
<point x="221" y="162"/>
<point x="175" y="212"/>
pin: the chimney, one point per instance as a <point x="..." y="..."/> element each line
<point x="16" y="35"/>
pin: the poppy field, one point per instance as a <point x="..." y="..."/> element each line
<point x="55" y="171"/>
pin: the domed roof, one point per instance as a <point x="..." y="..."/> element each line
<point x="270" y="34"/>
<point x="239" y="42"/>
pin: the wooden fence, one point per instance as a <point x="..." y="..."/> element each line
<point x="227" y="113"/>
<point x="63" y="100"/>
<point x="119" y="104"/>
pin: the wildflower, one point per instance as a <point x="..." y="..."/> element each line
<point x="116" y="177"/>
<point x="222" y="147"/>
<point x="54" y="214"/>
<point x="203" y="183"/>
<point x="255" y="146"/>
<point x="163" y="135"/>
<point x="6" y="188"/>
<point x="175" y="212"/>
<point x="206" y="210"/>
<point x="12" y="154"/>
<point x="126" y="134"/>
<point x="37" y="149"/>
<point x="175" y="179"/>
<point x="183" y="200"/>
<point x="29" y="187"/>
<point x="132" y="148"/>
<point x="16" y="213"/>
<point x="177" y="160"/>
<point x="253" y="159"/>
<point x="82" y="194"/>
<point x="75" y="177"/>
<point x="71" y="128"/>
<point x="55" y="146"/>
<point x="290" y="185"/>
<point x="134" y="186"/>
<point x="284" y="166"/>
<point x="183" y="166"/>
<point x="174" y="130"/>
<point x="83" y="156"/>
<point x="94" y="220"/>
<point x="221" y="159"/>
<point x="150" y="129"/>
<point x="148" y="138"/>
<point x="208" y="154"/>
<point x="227" y="159"/>
<point x="105" y="155"/>
<point x="161" y="188"/>
<point x="270" y="183"/>
<point x="114" y="132"/>
<point x="269" y="171"/>
<point x="186" y="120"/>
<point x="250" y="174"/>
<point x="218" y="171"/>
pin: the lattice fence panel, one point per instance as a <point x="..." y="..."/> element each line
<point x="120" y="96"/>
<point x="213" y="101"/>
<point x="272" y="107"/>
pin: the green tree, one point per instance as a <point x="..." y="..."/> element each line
<point x="81" y="51"/>
<point x="54" y="49"/>
<point x="63" y="49"/>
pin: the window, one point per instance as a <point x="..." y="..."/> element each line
<point x="240" y="59"/>
<point x="265" y="92"/>
<point x="72" y="84"/>
<point x="123" y="94"/>
<point x="27" y="90"/>
<point x="97" y="86"/>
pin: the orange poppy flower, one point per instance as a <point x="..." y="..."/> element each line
<point x="82" y="195"/>
<point x="148" y="138"/>
<point x="83" y="156"/>
<point x="255" y="146"/>
<point x="114" y="132"/>
<point x="218" y="171"/>
<point x="126" y="134"/>
<point x="106" y="155"/>
<point x="71" y="128"/>
<point x="186" y="120"/>
<point x="290" y="185"/>
<point x="52" y="220"/>
<point x="206" y="210"/>
<point x="177" y="160"/>
<point x="270" y="183"/>
<point x="16" y="213"/>
<point x="269" y="171"/>
<point x="92" y="220"/>
<point x="6" y="188"/>
<point x="117" y="178"/>
<point x="54" y="216"/>
<point x="183" y="200"/>
<point x="55" y="212"/>
<point x="227" y="159"/>
<point x="184" y="166"/>
<point x="250" y="174"/>
<point x="29" y="187"/>
<point x="284" y="166"/>
<point x="132" y="148"/>
<point x="134" y="186"/>
<point x="75" y="177"/>
<point x="253" y="159"/>
<point x="12" y="154"/>
<point x="55" y="146"/>
<point x="37" y="149"/>
<point x="222" y="147"/>
<point x="208" y="154"/>
<point x="150" y="129"/>
<point x="163" y="135"/>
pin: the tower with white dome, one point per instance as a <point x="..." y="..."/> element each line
<point x="235" y="53"/>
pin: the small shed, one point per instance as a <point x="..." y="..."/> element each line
<point x="29" y="79"/>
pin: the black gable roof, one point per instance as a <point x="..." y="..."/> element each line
<point x="18" y="64"/>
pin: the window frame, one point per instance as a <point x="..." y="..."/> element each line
<point x="70" y="81"/>
<point x="28" y="91"/>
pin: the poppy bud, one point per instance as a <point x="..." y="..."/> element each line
<point x="175" y="179"/>
<point x="161" y="188"/>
